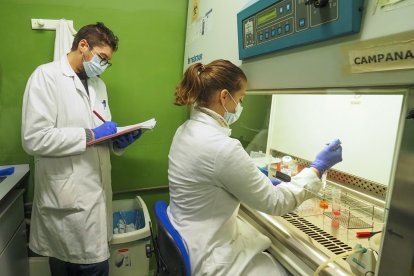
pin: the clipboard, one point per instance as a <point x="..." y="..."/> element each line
<point x="147" y="125"/>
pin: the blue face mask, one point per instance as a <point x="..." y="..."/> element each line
<point x="233" y="117"/>
<point x="93" y="67"/>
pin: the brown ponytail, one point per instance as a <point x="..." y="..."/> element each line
<point x="201" y="82"/>
<point x="190" y="87"/>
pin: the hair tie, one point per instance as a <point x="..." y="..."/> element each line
<point x="201" y="70"/>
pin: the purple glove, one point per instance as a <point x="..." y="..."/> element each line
<point x="105" y="129"/>
<point x="328" y="157"/>
<point x="127" y="139"/>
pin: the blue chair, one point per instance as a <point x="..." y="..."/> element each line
<point x="171" y="252"/>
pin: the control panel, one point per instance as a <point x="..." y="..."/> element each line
<point x="273" y="25"/>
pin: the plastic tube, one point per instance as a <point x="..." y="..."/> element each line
<point x="336" y="202"/>
<point x="345" y="254"/>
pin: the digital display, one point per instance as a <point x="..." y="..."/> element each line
<point x="266" y="16"/>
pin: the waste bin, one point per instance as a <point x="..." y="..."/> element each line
<point x="128" y="256"/>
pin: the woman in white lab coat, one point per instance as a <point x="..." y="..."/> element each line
<point x="210" y="174"/>
<point x="72" y="216"/>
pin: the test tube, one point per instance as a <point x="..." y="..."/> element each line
<point x="323" y="202"/>
<point x="336" y="202"/>
<point x="323" y="179"/>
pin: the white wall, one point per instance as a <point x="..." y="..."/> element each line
<point x="213" y="34"/>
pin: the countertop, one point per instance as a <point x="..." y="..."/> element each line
<point x="11" y="181"/>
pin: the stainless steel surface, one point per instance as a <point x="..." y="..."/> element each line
<point x="290" y="243"/>
<point x="11" y="216"/>
<point x="397" y="252"/>
<point x="14" y="260"/>
<point x="13" y="249"/>
<point x="317" y="234"/>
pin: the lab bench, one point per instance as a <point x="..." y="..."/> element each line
<point x="13" y="250"/>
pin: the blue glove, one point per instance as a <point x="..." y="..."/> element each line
<point x="7" y="171"/>
<point x="105" y="129"/>
<point x="328" y="157"/>
<point x="127" y="139"/>
<point x="264" y="171"/>
<point x="274" y="181"/>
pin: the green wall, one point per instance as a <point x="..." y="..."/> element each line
<point x="141" y="82"/>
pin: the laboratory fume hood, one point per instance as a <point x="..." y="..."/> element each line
<point x="318" y="70"/>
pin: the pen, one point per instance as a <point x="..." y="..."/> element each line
<point x="99" y="116"/>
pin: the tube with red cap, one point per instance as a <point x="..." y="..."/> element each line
<point x="366" y="234"/>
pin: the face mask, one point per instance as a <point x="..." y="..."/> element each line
<point x="232" y="117"/>
<point x="93" y="67"/>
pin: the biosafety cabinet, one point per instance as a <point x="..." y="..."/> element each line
<point x="319" y="70"/>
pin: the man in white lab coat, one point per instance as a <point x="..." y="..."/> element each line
<point x="210" y="174"/>
<point x="65" y="106"/>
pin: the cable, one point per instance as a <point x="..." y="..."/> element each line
<point x="345" y="254"/>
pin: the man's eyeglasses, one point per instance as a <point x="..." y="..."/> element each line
<point x="103" y="61"/>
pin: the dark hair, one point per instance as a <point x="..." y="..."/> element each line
<point x="200" y="82"/>
<point x="96" y="35"/>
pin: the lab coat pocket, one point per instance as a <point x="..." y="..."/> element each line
<point x="60" y="194"/>
<point x="56" y="185"/>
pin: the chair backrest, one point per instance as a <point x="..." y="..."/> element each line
<point x="171" y="247"/>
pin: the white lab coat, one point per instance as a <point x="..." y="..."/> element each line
<point x="72" y="215"/>
<point x="209" y="175"/>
